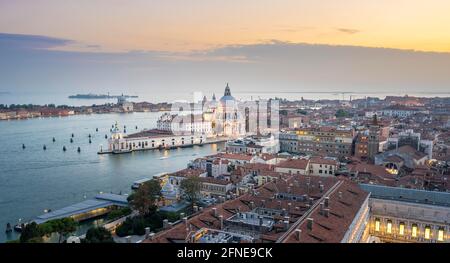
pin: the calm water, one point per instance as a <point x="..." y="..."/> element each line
<point x="32" y="180"/>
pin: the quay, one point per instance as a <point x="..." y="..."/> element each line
<point x="99" y="205"/>
<point x="154" y="139"/>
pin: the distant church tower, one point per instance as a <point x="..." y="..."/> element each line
<point x="227" y="91"/>
<point x="374" y="139"/>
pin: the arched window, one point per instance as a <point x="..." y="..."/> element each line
<point x="414" y="230"/>
<point x="440" y="234"/>
<point x="401" y="229"/>
<point x="377" y="225"/>
<point x="427" y="232"/>
<point x="389" y="227"/>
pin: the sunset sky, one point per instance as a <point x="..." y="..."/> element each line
<point x="199" y="24"/>
<point x="239" y="32"/>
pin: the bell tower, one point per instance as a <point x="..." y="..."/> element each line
<point x="374" y="139"/>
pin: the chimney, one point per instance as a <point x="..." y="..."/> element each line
<point x="147" y="232"/>
<point x="252" y="205"/>
<point x="195" y="209"/>
<point x="321" y="187"/>
<point x="263" y="203"/>
<point x="221" y="221"/>
<point x="185" y="220"/>
<point x="322" y="205"/>
<point x="289" y="189"/>
<point x="289" y="206"/>
<point x="182" y="215"/>
<point x="297" y="208"/>
<point x="286" y="225"/>
<point x="326" y="212"/>
<point x="151" y="236"/>
<point x="214" y="212"/>
<point x="165" y="223"/>
<point x="309" y="223"/>
<point x="279" y="204"/>
<point x="284" y="212"/>
<point x="310" y="201"/>
<point x="261" y="221"/>
<point x="340" y="195"/>
<point x="327" y="202"/>
<point x="298" y="234"/>
<point x="305" y="197"/>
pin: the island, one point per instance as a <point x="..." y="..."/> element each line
<point x="100" y="96"/>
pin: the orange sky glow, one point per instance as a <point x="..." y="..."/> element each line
<point x="165" y="25"/>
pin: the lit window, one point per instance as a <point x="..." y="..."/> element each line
<point x="389" y="227"/>
<point x="427" y="232"/>
<point x="441" y="235"/>
<point x="414" y="231"/>
<point x="377" y="224"/>
<point x="401" y="229"/>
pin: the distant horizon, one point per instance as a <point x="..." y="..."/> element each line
<point x="62" y="98"/>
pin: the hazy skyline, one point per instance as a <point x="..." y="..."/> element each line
<point x="258" y="46"/>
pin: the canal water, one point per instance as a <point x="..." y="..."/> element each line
<point x="34" y="179"/>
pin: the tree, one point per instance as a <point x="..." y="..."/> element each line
<point x="302" y="112"/>
<point x="342" y="113"/>
<point x="30" y="233"/>
<point x="63" y="227"/>
<point x="191" y="187"/>
<point x="143" y="199"/>
<point x="98" y="235"/>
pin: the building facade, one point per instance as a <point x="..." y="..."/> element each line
<point x="327" y="141"/>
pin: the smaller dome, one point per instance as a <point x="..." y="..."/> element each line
<point x="168" y="187"/>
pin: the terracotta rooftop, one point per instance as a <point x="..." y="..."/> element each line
<point x="333" y="228"/>
<point x="273" y="196"/>
<point x="411" y="151"/>
<point x="294" y="164"/>
<point x="188" y="172"/>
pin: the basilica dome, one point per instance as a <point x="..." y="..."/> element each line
<point x="227" y="95"/>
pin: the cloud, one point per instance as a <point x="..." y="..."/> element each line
<point x="267" y="65"/>
<point x="19" y="41"/>
<point x="349" y="31"/>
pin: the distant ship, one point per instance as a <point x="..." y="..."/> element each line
<point x="100" y="96"/>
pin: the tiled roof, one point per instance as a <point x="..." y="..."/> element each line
<point x="294" y="164"/>
<point x="265" y="196"/>
<point x="333" y="228"/>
